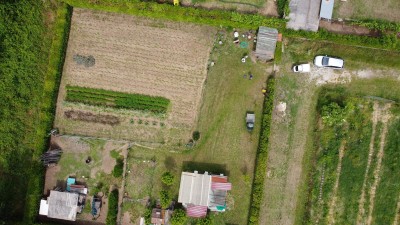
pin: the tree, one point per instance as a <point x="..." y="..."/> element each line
<point x="178" y="217"/>
<point x="168" y="178"/>
<point x="205" y="221"/>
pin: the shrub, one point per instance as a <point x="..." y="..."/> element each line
<point x="205" y="221"/>
<point x="196" y="135"/>
<point x="168" y="178"/>
<point x="118" y="168"/>
<point x="112" y="208"/>
<point x="262" y="154"/>
<point x="165" y="199"/>
<point x="178" y="217"/>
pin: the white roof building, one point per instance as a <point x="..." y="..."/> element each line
<point x="60" y="205"/>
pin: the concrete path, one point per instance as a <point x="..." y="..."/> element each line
<point x="304" y="15"/>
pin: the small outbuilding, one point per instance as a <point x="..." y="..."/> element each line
<point x="160" y="216"/>
<point x="60" y="205"/>
<point x="326" y="9"/>
<point x="266" y="43"/>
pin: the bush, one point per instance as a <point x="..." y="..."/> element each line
<point x="118" y="168"/>
<point x="168" y="178"/>
<point x="196" y="135"/>
<point x="112" y="208"/>
<point x="178" y="217"/>
<point x="205" y="221"/>
<point x="262" y="154"/>
<point x="278" y="52"/>
<point x="165" y="199"/>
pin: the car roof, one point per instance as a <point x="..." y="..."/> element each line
<point x="335" y="62"/>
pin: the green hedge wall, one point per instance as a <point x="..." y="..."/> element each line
<point x="112" y="208"/>
<point x="262" y="154"/>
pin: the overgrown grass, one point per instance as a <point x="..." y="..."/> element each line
<point x="32" y="52"/>
<point x="387" y="193"/>
<point x="100" y="97"/>
<point x="112" y="208"/>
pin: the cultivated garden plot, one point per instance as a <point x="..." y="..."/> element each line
<point x="102" y="173"/>
<point x="117" y="55"/>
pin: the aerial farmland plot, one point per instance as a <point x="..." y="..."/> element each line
<point x="115" y="61"/>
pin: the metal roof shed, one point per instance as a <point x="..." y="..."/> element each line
<point x="266" y="43"/>
<point x="62" y="205"/>
<point x="326" y="9"/>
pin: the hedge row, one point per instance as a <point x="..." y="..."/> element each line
<point x="115" y="99"/>
<point x="112" y="208"/>
<point x="283" y="7"/>
<point x="185" y="14"/>
<point x="388" y="41"/>
<point x="230" y="19"/>
<point x="380" y="25"/>
<point x="262" y="154"/>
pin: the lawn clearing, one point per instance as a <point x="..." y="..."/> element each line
<point x="135" y="56"/>
<point x="225" y="146"/>
<point x="368" y="9"/>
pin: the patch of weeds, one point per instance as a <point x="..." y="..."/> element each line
<point x="155" y="123"/>
<point x="140" y="121"/>
<point x="146" y="122"/>
<point x="132" y="121"/>
<point x="118" y="168"/>
<point x="115" y="154"/>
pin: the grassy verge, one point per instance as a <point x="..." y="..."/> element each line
<point x="387" y="193"/>
<point x="262" y="155"/>
<point x="115" y="99"/>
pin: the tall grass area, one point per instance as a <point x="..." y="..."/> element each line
<point x="115" y="99"/>
<point x="112" y="208"/>
<point x="30" y="61"/>
<point x="387" y="193"/>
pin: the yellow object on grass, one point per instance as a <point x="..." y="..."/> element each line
<point x="176" y="2"/>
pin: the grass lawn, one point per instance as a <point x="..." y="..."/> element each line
<point x="225" y="146"/>
<point x="368" y="9"/>
<point x="230" y="3"/>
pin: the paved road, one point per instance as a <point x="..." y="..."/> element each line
<point x="304" y="14"/>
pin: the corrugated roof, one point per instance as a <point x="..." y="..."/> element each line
<point x="197" y="211"/>
<point x="62" y="205"/>
<point x="194" y="189"/>
<point x="266" y="43"/>
<point x="326" y="9"/>
<point x="221" y="186"/>
<point x="220" y="179"/>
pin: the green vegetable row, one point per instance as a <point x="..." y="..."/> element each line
<point x="100" y="97"/>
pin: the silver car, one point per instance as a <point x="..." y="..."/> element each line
<point x="329" y="62"/>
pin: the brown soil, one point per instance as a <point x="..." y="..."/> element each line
<point x="50" y="179"/>
<point x="135" y="55"/>
<point x="341" y="28"/>
<point x="126" y="219"/>
<point x="92" y="118"/>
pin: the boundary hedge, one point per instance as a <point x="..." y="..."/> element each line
<point x="112" y="208"/>
<point x="100" y="97"/>
<point x="262" y="154"/>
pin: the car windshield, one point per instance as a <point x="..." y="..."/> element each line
<point x="325" y="61"/>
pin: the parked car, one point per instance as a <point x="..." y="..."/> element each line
<point x="329" y="62"/>
<point x="302" y="68"/>
<point x="250" y="119"/>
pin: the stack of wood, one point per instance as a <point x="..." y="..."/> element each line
<point x="51" y="157"/>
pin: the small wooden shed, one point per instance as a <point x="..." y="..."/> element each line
<point x="266" y="43"/>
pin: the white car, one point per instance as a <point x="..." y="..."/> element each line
<point x="302" y="68"/>
<point x="330" y="62"/>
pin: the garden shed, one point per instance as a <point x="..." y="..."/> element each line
<point x="60" y="205"/>
<point x="266" y="43"/>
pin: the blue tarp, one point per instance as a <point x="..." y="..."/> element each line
<point x="70" y="181"/>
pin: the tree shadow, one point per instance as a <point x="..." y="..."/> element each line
<point x="212" y="168"/>
<point x="170" y="163"/>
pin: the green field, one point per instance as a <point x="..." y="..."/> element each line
<point x="100" y="97"/>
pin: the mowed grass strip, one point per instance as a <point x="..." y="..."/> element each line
<point x="100" y="97"/>
<point x="387" y="192"/>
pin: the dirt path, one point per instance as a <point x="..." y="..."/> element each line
<point x="122" y="189"/>
<point x="375" y="118"/>
<point x="384" y="116"/>
<point x="332" y="206"/>
<point x="397" y="215"/>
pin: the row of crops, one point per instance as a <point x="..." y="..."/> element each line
<point x="100" y="97"/>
